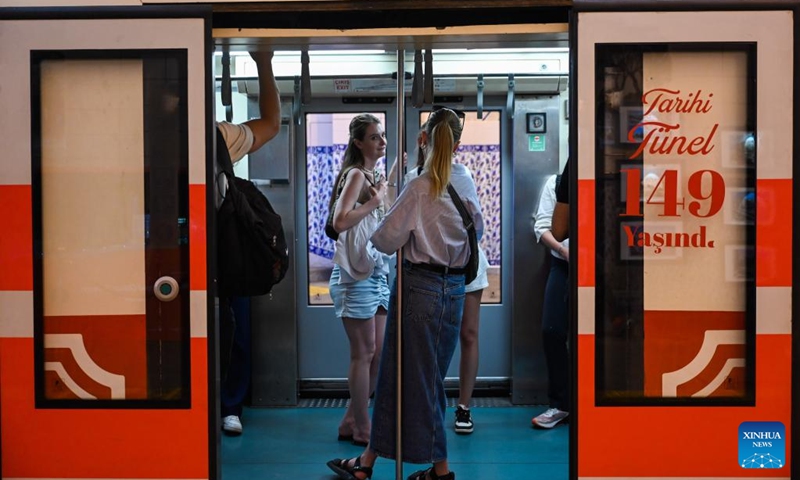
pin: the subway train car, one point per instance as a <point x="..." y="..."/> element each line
<point x="679" y="121"/>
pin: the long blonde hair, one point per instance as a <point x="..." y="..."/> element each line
<point x="444" y="131"/>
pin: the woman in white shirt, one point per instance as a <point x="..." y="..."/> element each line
<point x="470" y="321"/>
<point x="425" y="223"/>
<point x="555" y="313"/>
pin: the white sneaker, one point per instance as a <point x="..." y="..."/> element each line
<point x="549" y="418"/>
<point x="231" y="424"/>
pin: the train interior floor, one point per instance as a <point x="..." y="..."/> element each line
<point x="296" y="442"/>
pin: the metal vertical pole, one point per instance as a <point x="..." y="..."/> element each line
<point x="401" y="106"/>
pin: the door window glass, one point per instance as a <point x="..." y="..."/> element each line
<point x="677" y="198"/>
<point x="110" y="195"/>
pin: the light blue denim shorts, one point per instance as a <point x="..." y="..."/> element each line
<point x="360" y="299"/>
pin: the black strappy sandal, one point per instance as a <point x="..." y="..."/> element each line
<point x="431" y="474"/>
<point x="339" y="465"/>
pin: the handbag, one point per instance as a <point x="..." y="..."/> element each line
<point x="474" y="257"/>
<point x="330" y="232"/>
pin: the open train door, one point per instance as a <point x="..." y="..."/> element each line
<point x="684" y="149"/>
<point x="103" y="318"/>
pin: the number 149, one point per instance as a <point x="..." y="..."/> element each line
<point x="668" y="183"/>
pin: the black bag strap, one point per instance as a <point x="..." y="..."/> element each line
<point x="343" y="180"/>
<point x="225" y="164"/>
<point x="465" y="216"/>
<point x="223" y="156"/>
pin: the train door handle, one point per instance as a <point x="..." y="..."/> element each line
<point x="166" y="289"/>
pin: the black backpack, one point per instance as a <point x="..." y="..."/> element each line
<point x="252" y="255"/>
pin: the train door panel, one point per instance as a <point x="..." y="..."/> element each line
<point x="273" y="316"/>
<point x="103" y="283"/>
<point x="539" y="128"/>
<point x="684" y="243"/>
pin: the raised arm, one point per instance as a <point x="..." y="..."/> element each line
<point x="391" y="181"/>
<point x="268" y="125"/>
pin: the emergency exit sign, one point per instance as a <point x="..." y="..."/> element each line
<point x="536" y="143"/>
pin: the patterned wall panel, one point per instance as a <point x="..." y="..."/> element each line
<point x="323" y="163"/>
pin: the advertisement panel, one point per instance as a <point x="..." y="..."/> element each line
<point x="676" y="184"/>
<point x="684" y="155"/>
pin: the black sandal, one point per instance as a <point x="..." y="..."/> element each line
<point x="431" y="474"/>
<point x="340" y="466"/>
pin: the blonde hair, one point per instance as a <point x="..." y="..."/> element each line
<point x="444" y="131"/>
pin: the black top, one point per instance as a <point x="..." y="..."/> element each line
<point x="562" y="190"/>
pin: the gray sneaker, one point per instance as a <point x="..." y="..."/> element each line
<point x="549" y="418"/>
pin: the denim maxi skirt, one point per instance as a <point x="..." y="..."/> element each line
<point x="432" y="308"/>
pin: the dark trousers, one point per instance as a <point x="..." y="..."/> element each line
<point x="234" y="354"/>
<point x="555" y="331"/>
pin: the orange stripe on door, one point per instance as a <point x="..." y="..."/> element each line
<point x="774" y="233"/>
<point x="16" y="241"/>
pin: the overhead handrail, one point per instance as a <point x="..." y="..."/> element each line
<point x="510" y="96"/>
<point x="296" y="102"/>
<point x="417" y="87"/>
<point x="480" y="85"/>
<point x="393" y="75"/>
<point x="226" y="93"/>
<point x="305" y="78"/>
<point x="428" y="97"/>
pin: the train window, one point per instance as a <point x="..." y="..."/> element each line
<point x="110" y="194"/>
<point x="676" y="192"/>
<point x="327" y="135"/>
<point x="480" y="152"/>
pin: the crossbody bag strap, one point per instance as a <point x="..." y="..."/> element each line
<point x="465" y="216"/>
<point x="342" y="181"/>
<point x="225" y="166"/>
<point x="223" y="156"/>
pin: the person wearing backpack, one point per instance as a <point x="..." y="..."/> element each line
<point x="234" y="312"/>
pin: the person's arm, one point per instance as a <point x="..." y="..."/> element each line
<point x="391" y="182"/>
<point x="543" y="216"/>
<point x="560" y="225"/>
<point x="395" y="229"/>
<point x="344" y="215"/>
<point x="548" y="240"/>
<point x="268" y="125"/>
